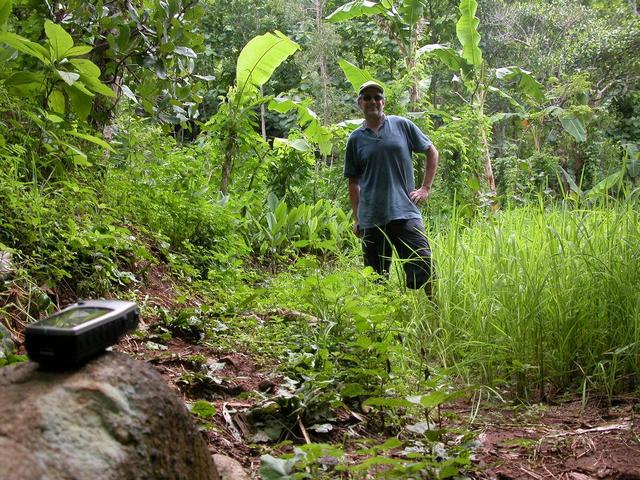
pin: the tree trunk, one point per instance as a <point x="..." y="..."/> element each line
<point x="535" y="133"/>
<point x="411" y="61"/>
<point x="227" y="167"/>
<point x="263" y="126"/>
<point x="322" y="63"/>
<point x="488" y="167"/>
<point x="434" y="90"/>
<point x="324" y="81"/>
<point x="414" y="94"/>
<point x="433" y="38"/>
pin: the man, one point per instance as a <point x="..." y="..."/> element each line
<point x="382" y="189"/>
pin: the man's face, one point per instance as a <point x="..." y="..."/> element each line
<point x="371" y="102"/>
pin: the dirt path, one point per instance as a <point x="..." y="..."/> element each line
<point x="561" y="441"/>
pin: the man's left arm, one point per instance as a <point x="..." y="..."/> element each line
<point x="430" y="168"/>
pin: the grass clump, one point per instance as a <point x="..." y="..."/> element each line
<point x="540" y="299"/>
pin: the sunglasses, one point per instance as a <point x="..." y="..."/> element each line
<point x="376" y="97"/>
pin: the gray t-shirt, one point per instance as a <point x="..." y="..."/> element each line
<point x="384" y="169"/>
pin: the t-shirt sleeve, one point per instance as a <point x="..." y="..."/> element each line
<point x="418" y="140"/>
<point x="350" y="162"/>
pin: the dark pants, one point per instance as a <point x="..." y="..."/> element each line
<point x="409" y="239"/>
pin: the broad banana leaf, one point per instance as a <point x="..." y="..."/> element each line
<point x="313" y="130"/>
<point x="632" y="162"/>
<point x="467" y="32"/>
<point x="447" y="55"/>
<point x="405" y="22"/>
<point x="575" y="127"/>
<point x="570" y="181"/>
<point x="5" y="11"/>
<point x="259" y="59"/>
<point x="411" y="11"/>
<point x="570" y="122"/>
<point x="526" y="83"/>
<point x="358" y="8"/>
<point x="607" y="184"/>
<point x="514" y="103"/>
<point x="497" y="117"/>
<point x="299" y="144"/>
<point x="356" y="76"/>
<point x="351" y="124"/>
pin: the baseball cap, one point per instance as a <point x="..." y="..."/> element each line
<point x="370" y="84"/>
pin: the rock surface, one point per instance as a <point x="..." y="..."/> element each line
<point x="229" y="469"/>
<point x="113" y="418"/>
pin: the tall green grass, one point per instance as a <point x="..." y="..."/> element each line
<point x="539" y="301"/>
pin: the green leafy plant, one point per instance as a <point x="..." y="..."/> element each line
<point x="203" y="409"/>
<point x="320" y="228"/>
<point x="324" y="461"/>
<point x="404" y="21"/>
<point x="65" y="77"/>
<point x="165" y="188"/>
<point x="311" y="461"/>
<point x="56" y="96"/>
<point x="313" y="129"/>
<point x="145" y="51"/>
<point x="7" y="349"/>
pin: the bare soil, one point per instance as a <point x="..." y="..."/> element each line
<point x="563" y="441"/>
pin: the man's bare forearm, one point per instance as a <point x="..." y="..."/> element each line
<point x="430" y="167"/>
<point x="354" y="196"/>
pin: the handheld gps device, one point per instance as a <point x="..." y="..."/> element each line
<point x="79" y="331"/>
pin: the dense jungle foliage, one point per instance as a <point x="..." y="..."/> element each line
<point x="205" y="139"/>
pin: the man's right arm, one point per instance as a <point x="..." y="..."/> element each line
<point x="351" y="171"/>
<point x="354" y="198"/>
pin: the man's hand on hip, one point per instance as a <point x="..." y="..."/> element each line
<point x="419" y="195"/>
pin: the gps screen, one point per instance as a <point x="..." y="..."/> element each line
<point x="74" y="317"/>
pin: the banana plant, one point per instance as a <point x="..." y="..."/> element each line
<point x="467" y="32"/>
<point x="626" y="179"/>
<point x="405" y="21"/>
<point x="356" y="77"/>
<point x="478" y="79"/>
<point x="235" y="119"/>
<point x="258" y="60"/>
<point x="472" y="68"/>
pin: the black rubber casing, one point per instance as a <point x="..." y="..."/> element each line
<point x="67" y="346"/>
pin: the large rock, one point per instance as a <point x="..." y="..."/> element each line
<point x="113" y="418"/>
<point x="228" y="468"/>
